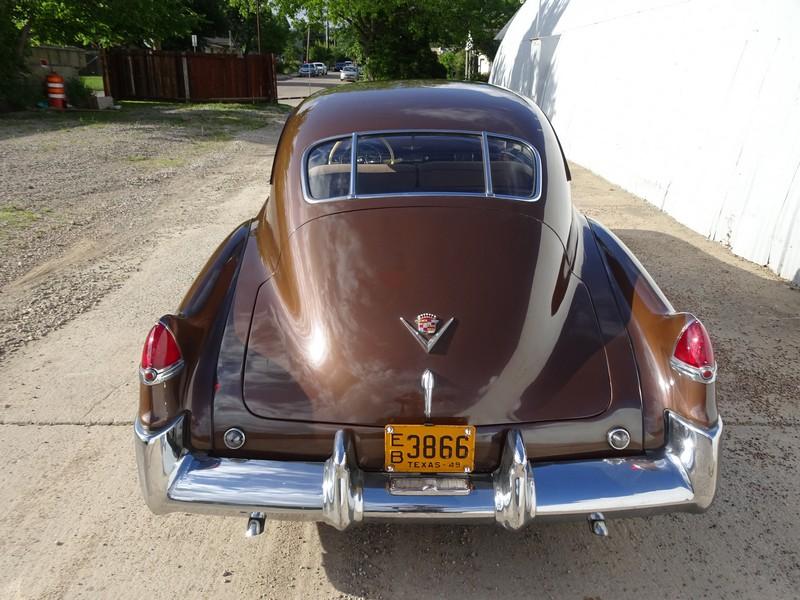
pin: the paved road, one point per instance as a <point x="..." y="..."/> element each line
<point x="73" y="524"/>
<point x="292" y="91"/>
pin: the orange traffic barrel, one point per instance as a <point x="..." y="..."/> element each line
<point x="56" y="97"/>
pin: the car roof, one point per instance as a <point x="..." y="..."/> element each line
<point x="411" y="106"/>
<point x="414" y="105"/>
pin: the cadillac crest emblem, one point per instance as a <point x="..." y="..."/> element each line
<point x="427" y="323"/>
<point x="427" y="331"/>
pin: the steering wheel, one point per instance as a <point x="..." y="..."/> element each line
<point x="334" y="148"/>
<point x="383" y="140"/>
<point x="509" y="155"/>
<point x="389" y="148"/>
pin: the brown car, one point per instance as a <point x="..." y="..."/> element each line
<point x="419" y="325"/>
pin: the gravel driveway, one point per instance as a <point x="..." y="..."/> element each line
<point x="79" y="194"/>
<point x="120" y="244"/>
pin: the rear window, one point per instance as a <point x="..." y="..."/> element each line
<point x="329" y="169"/>
<point x="421" y="163"/>
<point x="513" y="168"/>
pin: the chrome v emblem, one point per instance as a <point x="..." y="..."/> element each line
<point x="427" y="332"/>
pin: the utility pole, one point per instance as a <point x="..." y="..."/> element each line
<point x="308" y="42"/>
<point x="468" y="57"/>
<point x="258" y="24"/>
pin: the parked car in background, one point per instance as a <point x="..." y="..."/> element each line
<point x="321" y="68"/>
<point x="349" y="73"/>
<point x="307" y="70"/>
<point x="420" y="325"/>
<point x="341" y="64"/>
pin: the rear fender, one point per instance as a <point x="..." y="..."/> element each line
<point x="197" y="329"/>
<point x="654" y="328"/>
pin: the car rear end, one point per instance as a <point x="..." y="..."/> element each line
<point x="348" y="73"/>
<point x="562" y="384"/>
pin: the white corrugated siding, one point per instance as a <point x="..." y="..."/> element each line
<point x="693" y="105"/>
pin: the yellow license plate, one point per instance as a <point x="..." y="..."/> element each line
<point x="429" y="448"/>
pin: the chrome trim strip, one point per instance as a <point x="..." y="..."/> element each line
<point x="682" y="476"/>
<point x="693" y="372"/>
<point x="484" y="135"/>
<point x="161" y="375"/>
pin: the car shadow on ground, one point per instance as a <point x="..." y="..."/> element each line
<point x="746" y="543"/>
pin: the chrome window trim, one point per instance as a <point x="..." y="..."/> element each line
<point x="487" y="165"/>
<point x="537" y="166"/>
<point x="484" y="135"/>
<point x="353" y="165"/>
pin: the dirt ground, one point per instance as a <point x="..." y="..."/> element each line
<point x="80" y="193"/>
<point x="116" y="243"/>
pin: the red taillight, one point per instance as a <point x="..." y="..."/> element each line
<point x="694" y="350"/>
<point x="160" y="353"/>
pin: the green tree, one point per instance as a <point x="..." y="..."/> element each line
<point x="394" y="37"/>
<point x="453" y="61"/>
<point x="100" y="23"/>
<point x="9" y="57"/>
<point x="275" y="28"/>
<point x="319" y="53"/>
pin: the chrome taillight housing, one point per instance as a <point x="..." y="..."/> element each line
<point x="693" y="354"/>
<point x="161" y="356"/>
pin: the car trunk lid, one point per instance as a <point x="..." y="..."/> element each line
<point x="327" y="343"/>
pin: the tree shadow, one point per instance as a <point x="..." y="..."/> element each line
<point x="753" y="321"/>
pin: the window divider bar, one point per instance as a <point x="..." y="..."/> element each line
<point x="353" y="144"/>
<point x="487" y="168"/>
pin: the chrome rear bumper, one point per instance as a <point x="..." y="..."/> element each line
<point x="680" y="477"/>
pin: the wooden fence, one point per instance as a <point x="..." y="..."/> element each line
<point x="160" y="75"/>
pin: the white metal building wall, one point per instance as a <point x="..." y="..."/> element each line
<point x="693" y="105"/>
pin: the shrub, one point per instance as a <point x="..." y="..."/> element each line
<point x="78" y="93"/>
<point x="288" y="67"/>
<point x="20" y="92"/>
<point x="319" y="53"/>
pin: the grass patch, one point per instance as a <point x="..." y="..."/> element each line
<point x="157" y="162"/>
<point x="12" y="217"/>
<point x="216" y="122"/>
<point x="93" y="82"/>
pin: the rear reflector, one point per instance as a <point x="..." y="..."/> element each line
<point x="694" y="354"/>
<point x="161" y="357"/>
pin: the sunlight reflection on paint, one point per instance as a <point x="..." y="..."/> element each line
<point x="318" y="346"/>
